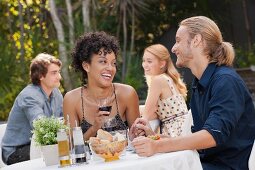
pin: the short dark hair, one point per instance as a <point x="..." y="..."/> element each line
<point x="89" y="44"/>
<point x="39" y="66"/>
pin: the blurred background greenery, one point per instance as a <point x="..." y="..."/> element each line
<point x="29" y="27"/>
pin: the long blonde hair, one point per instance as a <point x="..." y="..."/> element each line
<point x="162" y="53"/>
<point x="217" y="50"/>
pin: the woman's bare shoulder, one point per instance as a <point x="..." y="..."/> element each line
<point x="73" y="94"/>
<point x="124" y="89"/>
<point x="158" y="79"/>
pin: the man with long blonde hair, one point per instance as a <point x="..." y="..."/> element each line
<point x="221" y="105"/>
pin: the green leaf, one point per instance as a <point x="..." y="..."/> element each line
<point x="46" y="128"/>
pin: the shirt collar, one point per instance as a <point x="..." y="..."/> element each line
<point x="45" y="95"/>
<point x="206" y="76"/>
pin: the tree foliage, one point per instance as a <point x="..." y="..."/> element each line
<point x="18" y="49"/>
<point x="27" y="29"/>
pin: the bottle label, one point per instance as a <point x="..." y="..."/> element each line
<point x="79" y="149"/>
<point x="63" y="148"/>
<point x="80" y="155"/>
<point x="64" y="158"/>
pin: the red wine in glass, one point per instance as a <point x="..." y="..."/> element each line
<point x="105" y="108"/>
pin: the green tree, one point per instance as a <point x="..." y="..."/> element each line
<point x="24" y="35"/>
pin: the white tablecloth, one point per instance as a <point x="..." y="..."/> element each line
<point x="181" y="160"/>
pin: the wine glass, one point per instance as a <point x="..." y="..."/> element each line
<point x="109" y="122"/>
<point x="104" y="107"/>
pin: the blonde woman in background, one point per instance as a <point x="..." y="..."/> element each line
<point x="166" y="93"/>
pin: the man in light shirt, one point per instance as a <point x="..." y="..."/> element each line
<point x="41" y="98"/>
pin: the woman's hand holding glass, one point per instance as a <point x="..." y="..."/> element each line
<point x="100" y="118"/>
<point x="104" y="111"/>
<point x="106" y="122"/>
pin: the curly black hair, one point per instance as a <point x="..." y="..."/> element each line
<point x="89" y="44"/>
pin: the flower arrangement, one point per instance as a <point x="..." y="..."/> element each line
<point x="45" y="130"/>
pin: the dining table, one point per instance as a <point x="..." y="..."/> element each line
<point x="179" y="160"/>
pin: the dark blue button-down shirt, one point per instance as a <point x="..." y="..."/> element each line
<point x="222" y="105"/>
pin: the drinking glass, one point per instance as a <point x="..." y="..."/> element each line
<point x="109" y="122"/>
<point x="103" y="106"/>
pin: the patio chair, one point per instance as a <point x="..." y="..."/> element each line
<point x="251" y="163"/>
<point x="2" y="131"/>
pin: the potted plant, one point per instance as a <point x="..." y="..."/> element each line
<point x="45" y="135"/>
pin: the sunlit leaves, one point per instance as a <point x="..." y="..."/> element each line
<point x="13" y="11"/>
<point x="29" y="49"/>
<point x="46" y="128"/>
<point x="14" y="69"/>
<point x="16" y="36"/>
<point x="26" y="26"/>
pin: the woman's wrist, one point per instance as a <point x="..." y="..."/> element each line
<point x="94" y="129"/>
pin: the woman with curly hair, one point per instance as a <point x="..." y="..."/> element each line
<point x="95" y="56"/>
